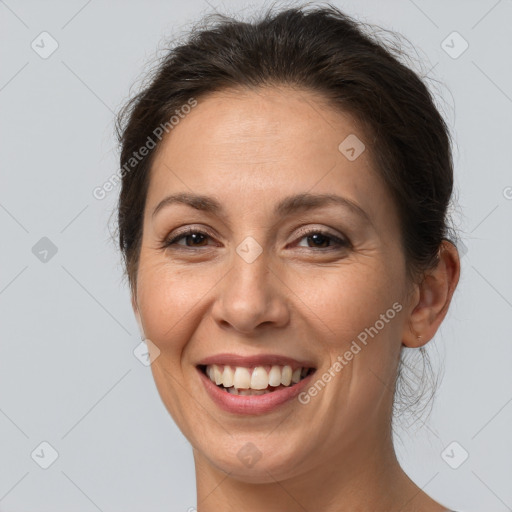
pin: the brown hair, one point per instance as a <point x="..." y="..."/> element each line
<point x="319" y="49"/>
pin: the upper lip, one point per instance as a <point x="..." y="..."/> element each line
<point x="254" y="360"/>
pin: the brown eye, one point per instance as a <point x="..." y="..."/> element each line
<point x="323" y="240"/>
<point x="197" y="239"/>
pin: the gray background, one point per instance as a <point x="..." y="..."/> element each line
<point x="68" y="375"/>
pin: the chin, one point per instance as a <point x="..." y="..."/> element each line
<point x="258" y="461"/>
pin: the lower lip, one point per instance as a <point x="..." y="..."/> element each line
<point x="256" y="404"/>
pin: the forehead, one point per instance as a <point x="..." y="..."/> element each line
<point x="265" y="125"/>
<point x="244" y="145"/>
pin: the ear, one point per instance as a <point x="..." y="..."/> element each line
<point x="432" y="297"/>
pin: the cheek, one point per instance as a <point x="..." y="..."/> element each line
<point x="169" y="302"/>
<point x="362" y="307"/>
<point x="170" y="305"/>
<point x="351" y="298"/>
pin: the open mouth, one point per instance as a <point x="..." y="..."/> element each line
<point x="257" y="380"/>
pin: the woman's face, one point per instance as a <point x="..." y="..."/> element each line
<point x="272" y="282"/>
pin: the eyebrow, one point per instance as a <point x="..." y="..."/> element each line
<point x="287" y="206"/>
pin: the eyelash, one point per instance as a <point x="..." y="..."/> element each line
<point x="339" y="242"/>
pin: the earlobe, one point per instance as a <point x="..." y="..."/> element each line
<point x="432" y="298"/>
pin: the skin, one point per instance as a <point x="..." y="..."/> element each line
<point x="305" y="299"/>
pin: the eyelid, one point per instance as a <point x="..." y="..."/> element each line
<point x="180" y="234"/>
<point x="339" y="241"/>
<point x="303" y="231"/>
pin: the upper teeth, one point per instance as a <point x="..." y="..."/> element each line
<point x="254" y="378"/>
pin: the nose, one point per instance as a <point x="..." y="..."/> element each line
<point x="250" y="297"/>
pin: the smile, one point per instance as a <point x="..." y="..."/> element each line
<point x="253" y="385"/>
<point x="255" y="381"/>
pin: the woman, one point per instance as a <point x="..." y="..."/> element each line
<point x="283" y="221"/>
